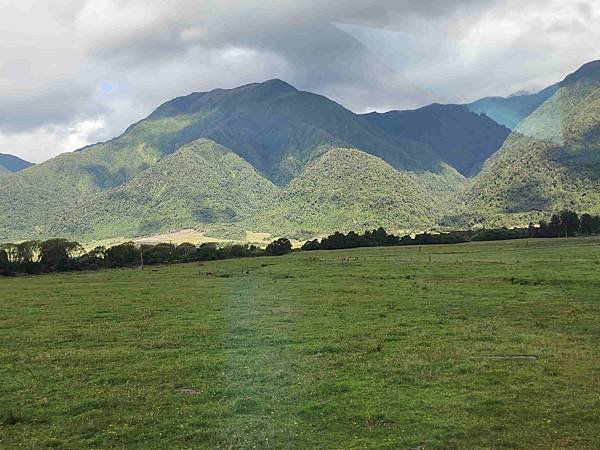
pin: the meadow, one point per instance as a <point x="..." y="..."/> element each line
<point x="478" y="345"/>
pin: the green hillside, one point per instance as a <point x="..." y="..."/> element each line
<point x="266" y="157"/>
<point x="201" y="183"/>
<point x="552" y="160"/>
<point x="347" y="189"/>
<point x="279" y="129"/>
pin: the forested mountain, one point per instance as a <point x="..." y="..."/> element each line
<point x="272" y="126"/>
<point x="267" y="157"/>
<point x="11" y="163"/>
<point x="459" y="137"/>
<point x="552" y="160"/>
<point x="201" y="182"/>
<point x="346" y="189"/>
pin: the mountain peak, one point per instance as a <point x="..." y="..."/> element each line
<point x="199" y="100"/>
<point x="278" y="85"/>
<point x="590" y="70"/>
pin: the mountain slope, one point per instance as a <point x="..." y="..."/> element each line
<point x="552" y="160"/>
<point x="459" y="137"/>
<point x="11" y="163"/>
<point x="510" y="111"/>
<point x="271" y="125"/>
<point x="202" y="183"/>
<point x="347" y="189"/>
<point x="279" y="129"/>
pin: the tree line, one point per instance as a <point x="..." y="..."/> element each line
<point x="61" y="255"/>
<point x="563" y="224"/>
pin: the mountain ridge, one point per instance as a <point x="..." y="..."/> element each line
<point x="309" y="166"/>
<point x="11" y="163"/>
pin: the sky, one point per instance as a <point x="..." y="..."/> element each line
<point x="75" y="72"/>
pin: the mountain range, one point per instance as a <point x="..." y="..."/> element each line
<point x="269" y="158"/>
<point x="12" y="164"/>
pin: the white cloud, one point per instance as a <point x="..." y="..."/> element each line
<point x="44" y="142"/>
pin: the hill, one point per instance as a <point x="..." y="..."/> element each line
<point x="510" y="111"/>
<point x="552" y="160"/>
<point x="11" y="163"/>
<point x="346" y="189"/>
<point x="201" y="183"/>
<point x="458" y="136"/>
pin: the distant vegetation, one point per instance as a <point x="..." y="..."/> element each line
<point x="565" y="224"/>
<point x="61" y="255"/>
<point x="551" y="161"/>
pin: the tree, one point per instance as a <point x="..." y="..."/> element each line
<point x="279" y="247"/>
<point x="570" y="222"/>
<point x="92" y="260"/>
<point x="207" y="252"/>
<point x="158" y="254"/>
<point x="587" y="224"/>
<point x="596" y="225"/>
<point x="57" y="255"/>
<point x="124" y="255"/>
<point x="186" y="252"/>
<point x="5" y="265"/>
<point x="311" y="245"/>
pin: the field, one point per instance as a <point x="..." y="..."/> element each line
<point x="491" y="345"/>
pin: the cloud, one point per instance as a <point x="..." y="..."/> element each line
<point x="111" y="62"/>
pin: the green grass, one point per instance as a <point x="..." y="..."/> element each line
<point x="376" y="348"/>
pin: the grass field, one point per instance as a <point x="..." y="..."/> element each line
<point x="491" y="345"/>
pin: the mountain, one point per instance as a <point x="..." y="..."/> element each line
<point x="201" y="182"/>
<point x="11" y="163"/>
<point x="552" y="160"/>
<point x="272" y="126"/>
<point x="347" y="189"/>
<point x="458" y="136"/>
<point x="279" y="129"/>
<point x="510" y="111"/>
<point x="267" y="157"/>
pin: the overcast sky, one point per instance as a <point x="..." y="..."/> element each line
<point x="73" y="72"/>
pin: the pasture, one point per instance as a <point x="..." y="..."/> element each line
<point x="488" y="345"/>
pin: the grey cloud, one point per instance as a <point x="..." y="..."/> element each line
<point x="53" y="61"/>
<point x="55" y="103"/>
